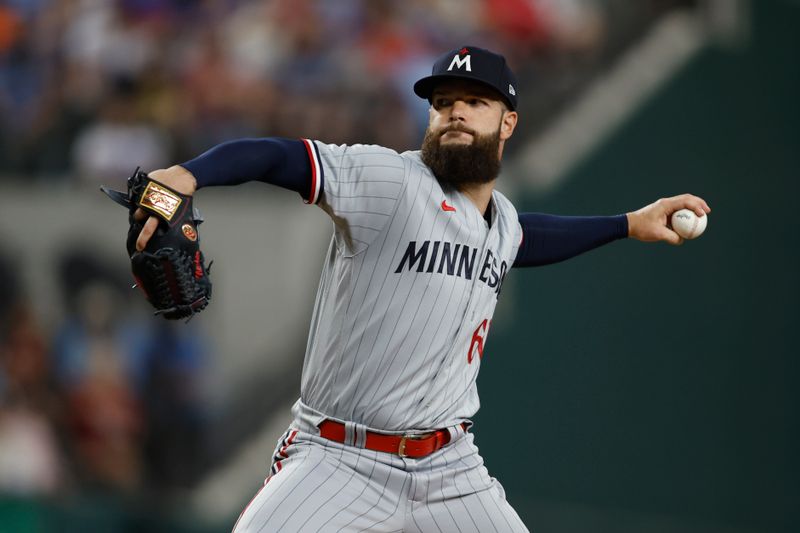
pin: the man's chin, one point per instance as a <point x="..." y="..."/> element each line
<point x="461" y="160"/>
<point x="459" y="141"/>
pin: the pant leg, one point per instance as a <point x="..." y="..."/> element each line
<point x="454" y="492"/>
<point x="322" y="486"/>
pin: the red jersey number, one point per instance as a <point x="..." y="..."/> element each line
<point x="478" y="337"/>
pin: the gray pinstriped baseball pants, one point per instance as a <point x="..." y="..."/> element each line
<point x="317" y="485"/>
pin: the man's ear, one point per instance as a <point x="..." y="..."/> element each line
<point x="507" y="124"/>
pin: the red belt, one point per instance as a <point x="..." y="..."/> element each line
<point x="413" y="446"/>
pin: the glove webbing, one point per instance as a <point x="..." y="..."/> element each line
<point x="172" y="272"/>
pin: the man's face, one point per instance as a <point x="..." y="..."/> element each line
<point x="466" y="132"/>
<point x="462" y="109"/>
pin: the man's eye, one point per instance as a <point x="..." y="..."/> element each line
<point x="441" y="102"/>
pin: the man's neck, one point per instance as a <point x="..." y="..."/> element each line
<point x="480" y="195"/>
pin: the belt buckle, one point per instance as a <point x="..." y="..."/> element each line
<point x="401" y="447"/>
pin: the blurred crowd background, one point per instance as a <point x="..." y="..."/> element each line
<point x="89" y="89"/>
<point x="104" y="400"/>
<point x="98" y="398"/>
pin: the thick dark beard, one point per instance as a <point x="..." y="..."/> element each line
<point x="462" y="164"/>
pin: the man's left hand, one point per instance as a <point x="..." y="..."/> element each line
<point x="652" y="222"/>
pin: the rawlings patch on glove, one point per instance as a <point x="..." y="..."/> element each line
<point x="171" y="270"/>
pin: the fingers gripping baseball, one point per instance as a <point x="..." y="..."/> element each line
<point x="651" y="223"/>
<point x="686" y="201"/>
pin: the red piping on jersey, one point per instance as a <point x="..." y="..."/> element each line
<point x="282" y="452"/>
<point x="447" y="207"/>
<point x="312" y="197"/>
<point x="292" y="435"/>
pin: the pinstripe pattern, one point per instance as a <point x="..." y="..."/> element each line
<point x="388" y="346"/>
<point x="330" y="487"/>
<point x="406" y="289"/>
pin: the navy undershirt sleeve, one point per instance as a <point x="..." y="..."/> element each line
<point x="548" y="239"/>
<point x="281" y="162"/>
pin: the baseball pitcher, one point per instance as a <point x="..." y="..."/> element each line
<point x="421" y="246"/>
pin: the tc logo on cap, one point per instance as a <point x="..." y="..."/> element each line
<point x="459" y="62"/>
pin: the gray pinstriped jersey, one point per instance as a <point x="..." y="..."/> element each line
<point x="407" y="292"/>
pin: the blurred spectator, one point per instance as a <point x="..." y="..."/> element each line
<point x="175" y="410"/>
<point x="133" y="389"/>
<point x="25" y="364"/>
<point x="97" y="363"/>
<point x="30" y="461"/>
<point x="575" y="25"/>
<point x="520" y="22"/>
<point x="10" y="28"/>
<point x="119" y="141"/>
<point x="29" y="458"/>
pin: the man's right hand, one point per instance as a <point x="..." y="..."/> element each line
<point x="176" y="177"/>
<point x="652" y="222"/>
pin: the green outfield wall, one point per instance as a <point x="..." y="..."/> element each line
<point x="651" y="388"/>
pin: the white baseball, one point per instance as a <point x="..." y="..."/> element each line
<point x="687" y="224"/>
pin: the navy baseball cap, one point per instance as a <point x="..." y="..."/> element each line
<point x="472" y="63"/>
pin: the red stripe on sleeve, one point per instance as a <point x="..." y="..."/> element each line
<point x="312" y="196"/>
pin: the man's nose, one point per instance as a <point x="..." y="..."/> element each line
<point x="458" y="111"/>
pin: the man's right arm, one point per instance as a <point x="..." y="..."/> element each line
<point x="281" y="162"/>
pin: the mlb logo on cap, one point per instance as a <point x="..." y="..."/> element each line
<point x="472" y="63"/>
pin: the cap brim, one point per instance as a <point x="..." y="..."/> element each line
<point x="424" y="87"/>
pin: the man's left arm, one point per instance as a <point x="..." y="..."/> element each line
<point x="548" y="239"/>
